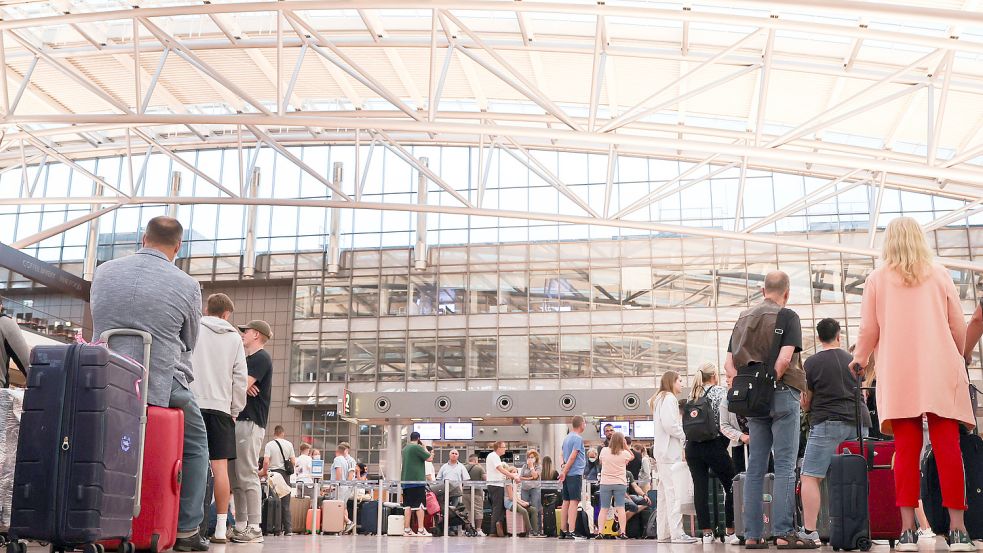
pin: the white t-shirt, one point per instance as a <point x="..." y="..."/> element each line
<point x="495" y="478"/>
<point x="302" y="471"/>
<point x="430" y="472"/>
<point x="273" y="452"/>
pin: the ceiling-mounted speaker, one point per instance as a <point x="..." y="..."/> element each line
<point x="382" y="404"/>
<point x="632" y="402"/>
<point x="443" y="404"/>
<point x="504" y="403"/>
<point x="567" y="402"/>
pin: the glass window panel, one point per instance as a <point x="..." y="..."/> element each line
<point x="573" y="289"/>
<point x="544" y="356"/>
<point x="365" y="297"/>
<point x="483" y="357"/>
<point x="362" y="354"/>
<point x="544" y="291"/>
<point x="640" y="353"/>
<point x="423" y="357"/>
<point x="392" y="360"/>
<point x="608" y="355"/>
<point x="335" y="300"/>
<point x="513" y="355"/>
<point x="423" y="292"/>
<point x="334" y="360"/>
<point x="394" y="295"/>
<point x="670" y="351"/>
<point x="513" y="293"/>
<point x="484" y="293"/>
<point x="575" y="355"/>
<point x="451" y="358"/>
<point x="453" y="294"/>
<point x="636" y="286"/>
<point x="607" y="289"/>
<point x="304" y="362"/>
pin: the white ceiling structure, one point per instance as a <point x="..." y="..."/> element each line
<point x="876" y="93"/>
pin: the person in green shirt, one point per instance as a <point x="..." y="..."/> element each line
<point x="415" y="456"/>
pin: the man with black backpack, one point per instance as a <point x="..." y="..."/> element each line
<point x="764" y="348"/>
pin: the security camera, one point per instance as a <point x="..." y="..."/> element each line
<point x="524" y="428"/>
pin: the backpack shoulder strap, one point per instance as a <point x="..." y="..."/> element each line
<point x="776" y="345"/>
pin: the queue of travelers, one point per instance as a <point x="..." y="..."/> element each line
<point x="220" y="376"/>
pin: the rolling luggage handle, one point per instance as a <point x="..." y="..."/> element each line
<point x="144" y="387"/>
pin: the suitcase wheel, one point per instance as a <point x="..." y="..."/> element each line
<point x="126" y="547"/>
<point x="93" y="548"/>
<point x="864" y="544"/>
<point x="154" y="541"/>
<point x="16" y="547"/>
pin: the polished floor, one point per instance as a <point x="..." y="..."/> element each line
<point x="384" y="544"/>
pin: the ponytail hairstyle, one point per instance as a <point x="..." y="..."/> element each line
<point x="666" y="384"/>
<point x="703" y="376"/>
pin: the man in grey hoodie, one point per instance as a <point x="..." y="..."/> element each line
<point x="219" y="362"/>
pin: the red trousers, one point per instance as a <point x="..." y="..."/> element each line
<point x="944" y="434"/>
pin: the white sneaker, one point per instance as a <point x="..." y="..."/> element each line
<point x="926" y="534"/>
<point x="708" y="539"/>
<point x="683" y="538"/>
<point x="408" y="533"/>
<point x="481" y="534"/>
<point x="732" y="539"/>
<point x="424" y="534"/>
<point x="663" y="540"/>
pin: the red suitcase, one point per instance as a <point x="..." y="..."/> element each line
<point x="155" y="529"/>
<point x="885" y="516"/>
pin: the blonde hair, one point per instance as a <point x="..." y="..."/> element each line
<point x="666" y="384"/>
<point x="534" y="454"/>
<point x="703" y="375"/>
<point x="906" y="250"/>
<point x="617" y="443"/>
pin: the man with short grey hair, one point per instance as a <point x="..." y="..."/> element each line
<point x="759" y="330"/>
<point x="146" y="291"/>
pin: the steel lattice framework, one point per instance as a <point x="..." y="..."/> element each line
<point x="888" y="95"/>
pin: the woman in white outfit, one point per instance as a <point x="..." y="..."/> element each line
<point x="668" y="450"/>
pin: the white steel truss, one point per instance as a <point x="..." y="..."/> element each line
<point x="802" y="87"/>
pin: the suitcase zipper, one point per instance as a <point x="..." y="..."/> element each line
<point x="68" y="407"/>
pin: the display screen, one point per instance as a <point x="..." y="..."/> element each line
<point x="619" y="426"/>
<point x="458" y="431"/>
<point x="644" y="429"/>
<point x="427" y="430"/>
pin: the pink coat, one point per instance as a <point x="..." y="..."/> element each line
<point x="916" y="334"/>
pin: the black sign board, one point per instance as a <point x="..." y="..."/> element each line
<point x="44" y="273"/>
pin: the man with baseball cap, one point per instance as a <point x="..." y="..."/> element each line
<point x="250" y="431"/>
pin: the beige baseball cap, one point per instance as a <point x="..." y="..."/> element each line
<point x="262" y="327"/>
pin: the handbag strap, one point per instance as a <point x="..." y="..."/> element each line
<point x="776" y="345"/>
<point x="282" y="454"/>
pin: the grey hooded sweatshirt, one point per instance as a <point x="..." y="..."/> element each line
<point x="219" y="364"/>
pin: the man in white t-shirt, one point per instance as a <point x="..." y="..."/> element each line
<point x="303" y="470"/>
<point x="431" y="473"/>
<point x="278" y="452"/>
<point x="498" y="472"/>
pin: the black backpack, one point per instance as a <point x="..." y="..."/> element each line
<point x="699" y="421"/>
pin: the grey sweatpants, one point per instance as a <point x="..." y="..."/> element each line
<point x="244" y="472"/>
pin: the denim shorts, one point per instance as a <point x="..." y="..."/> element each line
<point x="613" y="491"/>
<point x="572" y="487"/>
<point x="823" y="440"/>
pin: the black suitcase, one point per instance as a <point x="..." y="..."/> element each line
<point x="637" y="524"/>
<point x="368" y="518"/>
<point x="79" y="469"/>
<point x="938" y="516"/>
<point x="849" y="517"/>
<point x="583" y="523"/>
<point x="272" y="513"/>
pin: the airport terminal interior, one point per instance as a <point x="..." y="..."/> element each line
<point x="477" y="219"/>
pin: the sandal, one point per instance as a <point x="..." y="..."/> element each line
<point x="795" y="541"/>
<point x="758" y="544"/>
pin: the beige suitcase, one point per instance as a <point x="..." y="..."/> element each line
<point x="395" y="525"/>
<point x="332" y="516"/>
<point x="298" y="514"/>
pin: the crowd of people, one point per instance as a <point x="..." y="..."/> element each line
<point x="220" y="375"/>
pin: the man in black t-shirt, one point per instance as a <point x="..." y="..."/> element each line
<point x="757" y="331"/>
<point x="250" y="431"/>
<point x="831" y="400"/>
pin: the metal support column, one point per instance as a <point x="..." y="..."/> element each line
<point x="92" y="242"/>
<point x="420" y="250"/>
<point x="175" y="191"/>
<point x="334" y="239"/>
<point x="249" y="257"/>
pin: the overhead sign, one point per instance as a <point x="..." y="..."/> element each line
<point x="346" y="407"/>
<point x="44" y="273"/>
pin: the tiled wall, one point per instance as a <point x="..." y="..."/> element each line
<point x="270" y="301"/>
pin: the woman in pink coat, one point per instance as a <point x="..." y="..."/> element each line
<point x="912" y="319"/>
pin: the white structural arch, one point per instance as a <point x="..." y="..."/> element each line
<point x="881" y="94"/>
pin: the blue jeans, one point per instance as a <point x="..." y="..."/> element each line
<point x="194" y="465"/>
<point x="778" y="432"/>
<point x="824" y="438"/>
